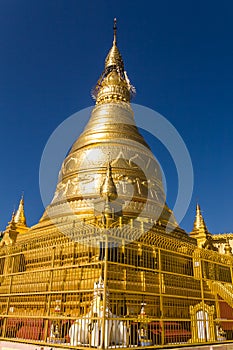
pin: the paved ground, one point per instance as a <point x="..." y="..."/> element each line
<point x="228" y="346"/>
<point x="20" y="346"/>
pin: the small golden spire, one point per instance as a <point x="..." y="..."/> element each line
<point x="12" y="222"/>
<point x="227" y="248"/>
<point x="114" y="31"/>
<point x="114" y="57"/>
<point x="113" y="85"/>
<point x="201" y="233"/>
<point x="10" y="234"/>
<point x="108" y="189"/>
<point x="20" y="218"/>
<point x="199" y="223"/>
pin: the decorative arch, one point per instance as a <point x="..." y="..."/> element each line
<point x="202" y="322"/>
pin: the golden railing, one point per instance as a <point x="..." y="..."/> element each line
<point x="47" y="286"/>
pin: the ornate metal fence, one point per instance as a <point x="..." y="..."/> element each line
<point x="105" y="291"/>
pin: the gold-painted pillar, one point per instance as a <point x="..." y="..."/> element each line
<point x="161" y="291"/>
<point x="197" y="264"/>
<point x="9" y="268"/>
<point x="212" y="324"/>
<point x="230" y="263"/>
<point x="103" y="321"/>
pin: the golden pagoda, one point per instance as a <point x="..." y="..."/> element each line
<point x="107" y="265"/>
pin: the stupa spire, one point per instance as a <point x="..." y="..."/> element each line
<point x="108" y="189"/>
<point x="113" y="85"/>
<point x="108" y="192"/>
<point x="12" y="222"/>
<point x="199" y="223"/>
<point x="20" y="218"/>
<point x="201" y="232"/>
<point x="115" y="31"/>
<point x="10" y="234"/>
<point x="114" y="57"/>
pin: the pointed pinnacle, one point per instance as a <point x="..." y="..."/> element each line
<point x="114" y="31"/>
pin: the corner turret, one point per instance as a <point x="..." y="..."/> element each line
<point x="10" y="234"/>
<point x="200" y="231"/>
<point x="20" y="218"/>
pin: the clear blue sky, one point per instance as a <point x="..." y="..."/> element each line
<point x="178" y="54"/>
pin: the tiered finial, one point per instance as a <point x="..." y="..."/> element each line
<point x="113" y="84"/>
<point x="20" y="218"/>
<point x="114" y="57"/>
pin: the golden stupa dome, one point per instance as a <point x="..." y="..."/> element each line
<point x="110" y="138"/>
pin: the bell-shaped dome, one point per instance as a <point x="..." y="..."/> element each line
<point x="110" y="137"/>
